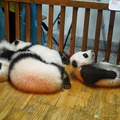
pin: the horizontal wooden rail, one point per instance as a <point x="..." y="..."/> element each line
<point x="84" y="4"/>
<point x="75" y="4"/>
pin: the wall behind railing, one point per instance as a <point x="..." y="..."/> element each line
<point x="92" y="26"/>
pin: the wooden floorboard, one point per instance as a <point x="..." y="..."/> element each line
<point x="78" y="103"/>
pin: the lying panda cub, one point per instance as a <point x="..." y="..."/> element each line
<point x="47" y="54"/>
<point x="91" y="73"/>
<point x="29" y="72"/>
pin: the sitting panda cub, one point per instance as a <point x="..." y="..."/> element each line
<point x="91" y="73"/>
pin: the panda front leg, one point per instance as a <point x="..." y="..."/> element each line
<point x="66" y="81"/>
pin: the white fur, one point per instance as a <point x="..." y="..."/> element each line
<point x="45" y="53"/>
<point x="5" y="45"/>
<point x="32" y="75"/>
<point x="78" y="57"/>
<point x="109" y="82"/>
<point x="21" y="45"/>
<point x="81" y="60"/>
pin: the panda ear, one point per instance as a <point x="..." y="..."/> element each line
<point x="74" y="64"/>
<point x="16" y="42"/>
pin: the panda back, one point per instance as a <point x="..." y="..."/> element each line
<point x="29" y="73"/>
<point x="92" y="74"/>
<point x="47" y="54"/>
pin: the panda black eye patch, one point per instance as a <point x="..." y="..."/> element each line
<point x="74" y="64"/>
<point x="85" y="55"/>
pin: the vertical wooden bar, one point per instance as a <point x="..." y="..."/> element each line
<point x="73" y="32"/>
<point x="97" y="34"/>
<point x="17" y="21"/>
<point x="110" y="33"/>
<point x="118" y="56"/>
<point x="27" y="22"/>
<point x="50" y="26"/>
<point x="62" y="23"/>
<point x="7" y="29"/>
<point x="85" y="31"/>
<point x="39" y="22"/>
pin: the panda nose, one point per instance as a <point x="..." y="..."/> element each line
<point x="74" y="64"/>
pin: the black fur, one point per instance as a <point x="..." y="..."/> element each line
<point x="85" y="55"/>
<point x="64" y="76"/>
<point x="16" y="42"/>
<point x="26" y="48"/>
<point x="3" y="49"/>
<point x="21" y="56"/>
<point x="74" y="64"/>
<point x="65" y="58"/>
<point x="92" y="74"/>
<point x="7" y="54"/>
<point x="66" y="81"/>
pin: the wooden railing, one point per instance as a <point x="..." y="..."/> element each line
<point x="64" y="3"/>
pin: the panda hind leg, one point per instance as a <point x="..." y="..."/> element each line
<point x="66" y="81"/>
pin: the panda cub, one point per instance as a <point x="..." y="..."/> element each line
<point x="47" y="54"/>
<point x="29" y="71"/>
<point x="91" y="73"/>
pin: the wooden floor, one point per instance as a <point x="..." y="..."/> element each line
<point x="78" y="103"/>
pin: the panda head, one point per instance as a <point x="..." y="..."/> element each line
<point x="5" y="46"/>
<point x="82" y="58"/>
<point x="18" y="44"/>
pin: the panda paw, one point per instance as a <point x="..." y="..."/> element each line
<point x="67" y="86"/>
